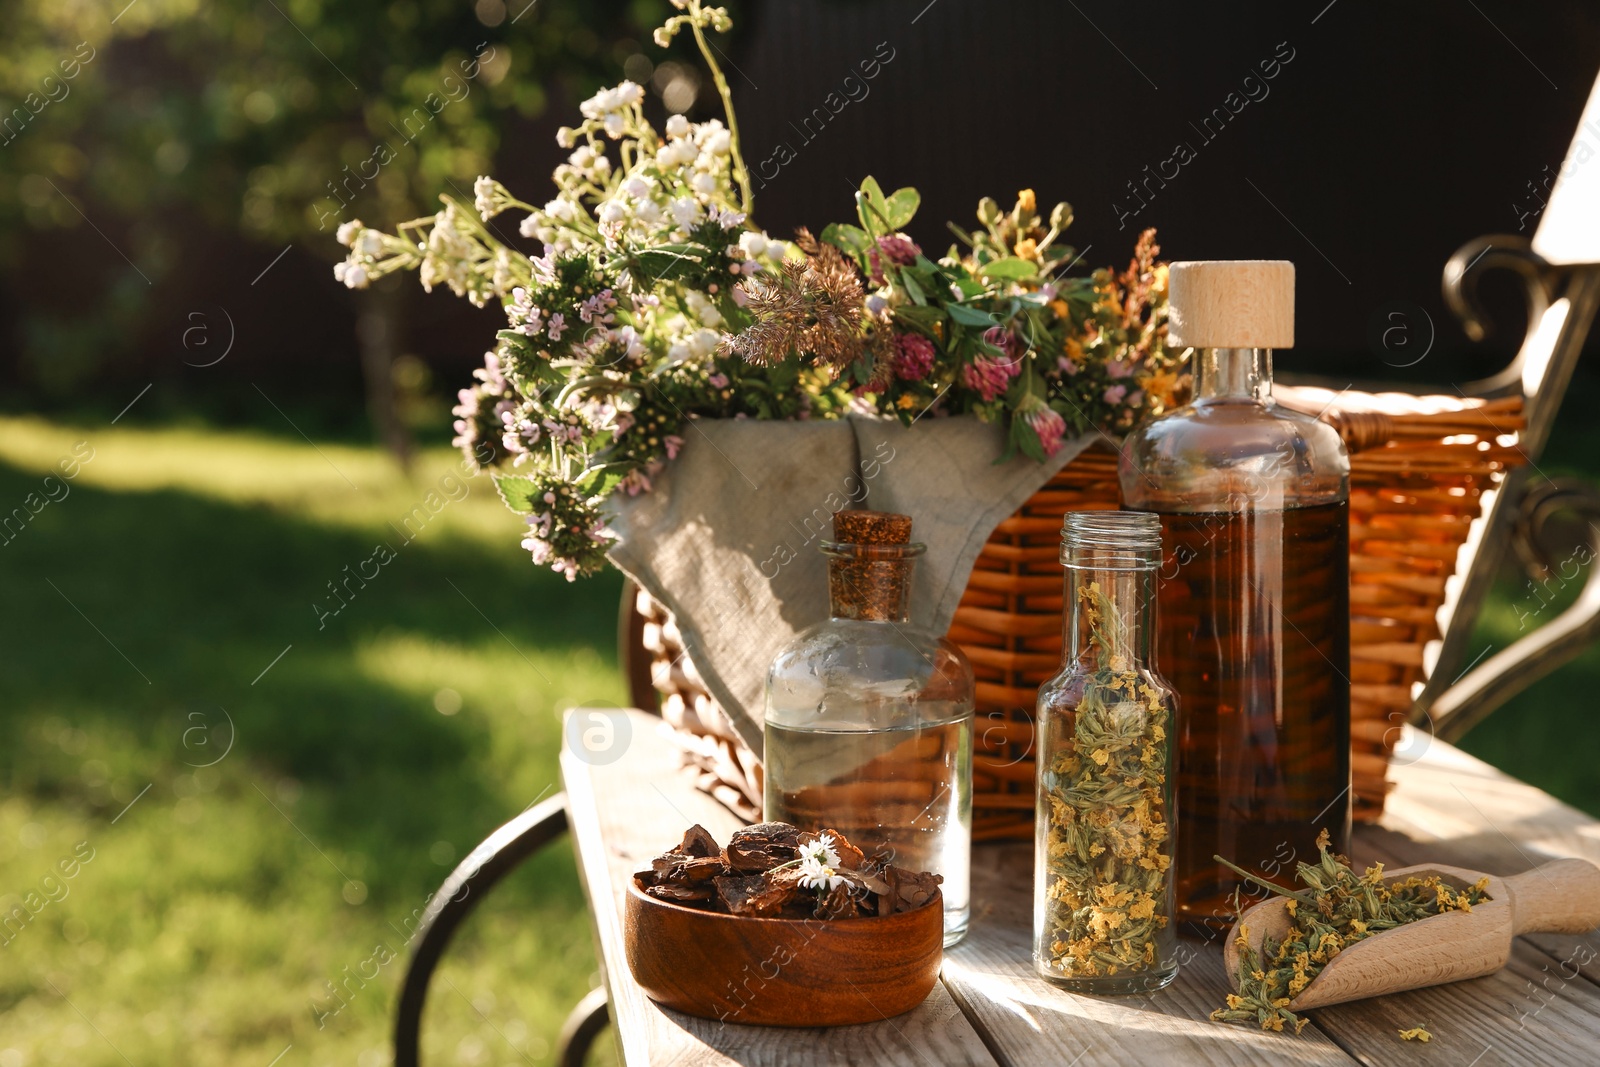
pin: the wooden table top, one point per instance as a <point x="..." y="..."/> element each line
<point x="990" y="1008"/>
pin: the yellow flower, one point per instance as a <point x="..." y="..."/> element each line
<point x="1160" y="385"/>
<point x="1112" y="896"/>
<point x="906" y="401"/>
<point x="1416" y="1033"/>
<point x="1027" y="248"/>
<point x="1027" y="202"/>
<point x="1235" y="1001"/>
<point x="1059" y="306"/>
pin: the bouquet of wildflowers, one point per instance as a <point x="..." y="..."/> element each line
<point x="654" y="301"/>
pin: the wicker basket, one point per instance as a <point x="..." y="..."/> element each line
<point x="1421" y="471"/>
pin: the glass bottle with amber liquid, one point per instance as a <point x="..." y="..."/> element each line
<point x="869" y="718"/>
<point x="1254" y="591"/>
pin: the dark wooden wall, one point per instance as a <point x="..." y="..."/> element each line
<point x="1395" y="132"/>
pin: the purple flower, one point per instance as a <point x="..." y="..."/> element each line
<point x="558" y="326"/>
<point x="913" y="356"/>
<point x="1118" y="368"/>
<point x="897" y="249"/>
<point x="635" y="482"/>
<point x="900" y="249"/>
<point x="989" y="377"/>
<point x="597" y="308"/>
<point x="1114" y="394"/>
<point x="1067" y="366"/>
<point x="719" y="381"/>
<point x="1003" y="339"/>
<point x="1048" y="424"/>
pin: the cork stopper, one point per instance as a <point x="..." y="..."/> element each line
<point x="869" y="565"/>
<point x="1243" y="303"/>
<point x="871" y="528"/>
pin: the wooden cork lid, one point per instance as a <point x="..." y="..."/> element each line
<point x="871" y="528"/>
<point x="1231" y="303"/>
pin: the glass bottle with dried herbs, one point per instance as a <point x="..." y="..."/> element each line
<point x="1103" y="920"/>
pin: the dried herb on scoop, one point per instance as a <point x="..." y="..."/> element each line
<point x="1336" y="909"/>
<point x="775" y="870"/>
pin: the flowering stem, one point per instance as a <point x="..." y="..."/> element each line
<point x="741" y="174"/>
<point x="589" y="381"/>
<point x="1272" y="887"/>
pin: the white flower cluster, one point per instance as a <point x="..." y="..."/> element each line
<point x="366" y="248"/>
<point x="819" y="861"/>
<point x="616" y="108"/>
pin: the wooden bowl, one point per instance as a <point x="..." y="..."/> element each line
<point x="782" y="972"/>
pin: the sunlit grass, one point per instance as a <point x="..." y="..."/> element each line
<point x="143" y="609"/>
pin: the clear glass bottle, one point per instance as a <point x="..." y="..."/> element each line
<point x="1254" y="593"/>
<point x="869" y="718"/>
<point x="1103" y="861"/>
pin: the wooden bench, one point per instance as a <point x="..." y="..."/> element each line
<point x="625" y="806"/>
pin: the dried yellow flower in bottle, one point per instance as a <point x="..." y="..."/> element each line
<point x="1104" y="843"/>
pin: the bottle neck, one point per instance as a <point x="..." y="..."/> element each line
<point x="1233" y="374"/>
<point x="872" y="590"/>
<point x="1109" y="616"/>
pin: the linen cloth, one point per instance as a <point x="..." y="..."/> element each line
<point x="728" y="537"/>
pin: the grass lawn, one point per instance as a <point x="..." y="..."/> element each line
<point x="208" y="922"/>
<point x="173" y="609"/>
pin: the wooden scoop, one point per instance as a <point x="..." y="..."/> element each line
<point x="1561" y="897"/>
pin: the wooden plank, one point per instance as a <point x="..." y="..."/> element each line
<point x="1026" y="1020"/>
<point x="625" y="812"/>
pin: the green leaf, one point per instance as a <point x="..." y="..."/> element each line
<point x="913" y="290"/>
<point x="1010" y="268"/>
<point x="971" y="316"/>
<point x="518" y="492"/>
<point x="872" y="207"/>
<point x="852" y="239"/>
<point x="970" y="287"/>
<point x="902" y="206"/>
<point x="923" y="319"/>
<point x="602" y="481"/>
<point x="667" y="263"/>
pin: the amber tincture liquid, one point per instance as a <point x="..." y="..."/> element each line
<point x="1254" y="633"/>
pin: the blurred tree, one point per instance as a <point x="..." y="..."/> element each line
<point x="273" y="119"/>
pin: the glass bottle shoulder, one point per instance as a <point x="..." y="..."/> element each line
<point x="1064" y="691"/>
<point x="1228" y="454"/>
<point x="857" y="674"/>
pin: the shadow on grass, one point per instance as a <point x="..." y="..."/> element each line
<point x="129" y="613"/>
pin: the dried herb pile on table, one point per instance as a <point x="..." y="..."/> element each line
<point x="775" y="870"/>
<point x="1337" y="909"/>
<point x="1108" y="844"/>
